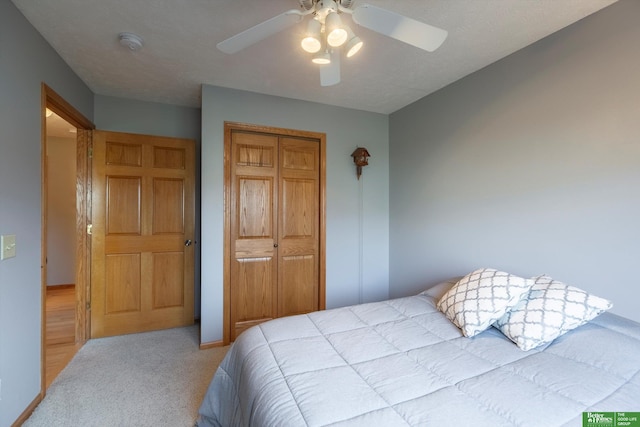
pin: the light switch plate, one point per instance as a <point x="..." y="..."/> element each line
<point x="7" y="246"/>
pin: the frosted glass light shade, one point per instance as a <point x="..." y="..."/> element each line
<point x="311" y="42"/>
<point x="353" y="46"/>
<point x="353" y="43"/>
<point x="336" y="34"/>
<point x="322" y="58"/>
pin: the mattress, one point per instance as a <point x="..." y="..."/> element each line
<point x="402" y="362"/>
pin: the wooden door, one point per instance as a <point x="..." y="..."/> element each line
<point x="254" y="188"/>
<point x="298" y="226"/>
<point x="275" y="225"/>
<point x="142" y="264"/>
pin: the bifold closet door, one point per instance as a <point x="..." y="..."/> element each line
<point x="254" y="195"/>
<point x="274" y="227"/>
<point x="298" y="226"/>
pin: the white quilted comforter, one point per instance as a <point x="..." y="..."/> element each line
<point x="401" y="362"/>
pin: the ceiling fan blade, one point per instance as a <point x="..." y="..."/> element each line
<point x="261" y="31"/>
<point x="399" y="27"/>
<point x="330" y="73"/>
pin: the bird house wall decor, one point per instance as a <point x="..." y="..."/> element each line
<point x="360" y="158"/>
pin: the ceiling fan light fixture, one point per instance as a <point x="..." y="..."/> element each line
<point x="322" y="58"/>
<point x="311" y="43"/>
<point x="336" y="34"/>
<point x="327" y="43"/>
<point x="354" y="43"/>
<point x="353" y="46"/>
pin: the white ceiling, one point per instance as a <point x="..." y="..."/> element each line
<point x="180" y="54"/>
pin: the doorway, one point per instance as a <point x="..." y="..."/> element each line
<point x="60" y="179"/>
<point x="143" y="229"/>
<point x="105" y="210"/>
<point x="67" y="247"/>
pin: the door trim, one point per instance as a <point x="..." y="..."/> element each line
<point x="229" y="127"/>
<point x="50" y="99"/>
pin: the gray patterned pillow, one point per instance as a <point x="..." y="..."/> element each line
<point x="482" y="297"/>
<point x="550" y="309"/>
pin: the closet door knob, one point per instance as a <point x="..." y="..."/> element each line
<point x="275" y="245"/>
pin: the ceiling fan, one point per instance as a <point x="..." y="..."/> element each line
<point x="327" y="36"/>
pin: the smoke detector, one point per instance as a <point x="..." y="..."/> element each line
<point x="131" y="41"/>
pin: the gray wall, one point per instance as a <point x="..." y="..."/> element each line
<point x="26" y="60"/>
<point x="531" y="165"/>
<point x="150" y="118"/>
<point x="357" y="263"/>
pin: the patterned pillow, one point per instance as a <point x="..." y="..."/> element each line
<point x="482" y="297"/>
<point x="550" y="310"/>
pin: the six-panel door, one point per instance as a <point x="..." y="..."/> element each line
<point x="142" y="269"/>
<point x="274" y="227"/>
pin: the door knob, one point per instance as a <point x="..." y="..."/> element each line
<point x="187" y="242"/>
<point x="275" y="245"/>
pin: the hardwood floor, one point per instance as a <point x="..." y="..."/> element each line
<point x="60" y="334"/>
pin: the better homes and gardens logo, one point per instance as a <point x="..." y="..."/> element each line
<point x="610" y="419"/>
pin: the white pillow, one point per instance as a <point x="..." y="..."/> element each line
<point x="550" y="309"/>
<point x="482" y="297"/>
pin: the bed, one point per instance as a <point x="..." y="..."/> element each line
<point x="403" y="362"/>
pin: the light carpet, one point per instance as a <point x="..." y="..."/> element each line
<point x="148" y="379"/>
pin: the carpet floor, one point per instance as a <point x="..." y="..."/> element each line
<point x="149" y="379"/>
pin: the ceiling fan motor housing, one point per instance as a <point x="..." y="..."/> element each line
<point x="324" y="8"/>
<point x="311" y="4"/>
